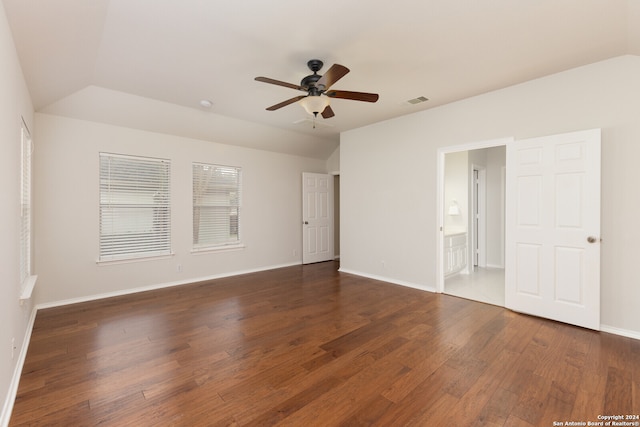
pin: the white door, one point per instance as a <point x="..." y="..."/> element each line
<point x="317" y="217"/>
<point x="553" y="227"/>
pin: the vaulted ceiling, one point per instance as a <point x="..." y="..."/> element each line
<point x="149" y="63"/>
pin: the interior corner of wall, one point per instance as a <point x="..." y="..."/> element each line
<point x="333" y="162"/>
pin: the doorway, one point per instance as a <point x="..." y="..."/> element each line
<point x="317" y="217"/>
<point x="336" y="216"/>
<point x="551" y="210"/>
<point x="471" y="211"/>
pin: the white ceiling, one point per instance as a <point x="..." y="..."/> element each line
<point x="148" y="63"/>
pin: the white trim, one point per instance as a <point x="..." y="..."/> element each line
<point x="389" y="280"/>
<point x="501" y="267"/>
<point x="621" y="332"/>
<point x="7" y="408"/>
<point x="478" y="145"/>
<point x="221" y="248"/>
<point x="503" y="217"/>
<point x="440" y="163"/>
<point x="27" y="287"/>
<point x="157" y="286"/>
<point x="129" y="260"/>
<point x="478" y="194"/>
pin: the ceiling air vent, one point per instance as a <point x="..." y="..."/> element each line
<point x="418" y="100"/>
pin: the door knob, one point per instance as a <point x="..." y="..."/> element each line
<point x="306" y="223"/>
<point x="591" y="239"/>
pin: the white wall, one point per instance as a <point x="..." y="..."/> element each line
<point x="66" y="188"/>
<point x="388" y="174"/>
<point x="333" y="162"/>
<point x="14" y="318"/>
<point x="496" y="160"/>
<point x="456" y="187"/>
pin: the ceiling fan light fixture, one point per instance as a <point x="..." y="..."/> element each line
<point x="314" y="104"/>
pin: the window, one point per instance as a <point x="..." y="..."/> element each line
<point x="216" y="206"/>
<point x="25" y="206"/>
<point x="134" y="207"/>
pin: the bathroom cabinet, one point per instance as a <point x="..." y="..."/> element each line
<point x="455" y="253"/>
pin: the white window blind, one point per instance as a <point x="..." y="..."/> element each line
<point x="134" y="207"/>
<point x="25" y="205"/>
<point x="216" y="205"/>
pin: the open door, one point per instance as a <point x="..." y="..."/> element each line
<point x="317" y="218"/>
<point x="553" y="227"/>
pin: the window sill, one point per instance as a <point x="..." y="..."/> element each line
<point x="27" y="287"/>
<point x="211" y="249"/>
<point x="131" y="260"/>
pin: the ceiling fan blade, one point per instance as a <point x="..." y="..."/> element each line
<point x="278" y="83"/>
<point x="285" y="103"/>
<point x="356" y="96"/>
<point x="333" y="74"/>
<point x="328" y="112"/>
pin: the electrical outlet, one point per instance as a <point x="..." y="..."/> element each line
<point x="295" y="252"/>
<point x="179" y="268"/>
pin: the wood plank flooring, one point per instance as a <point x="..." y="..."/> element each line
<point x="309" y="346"/>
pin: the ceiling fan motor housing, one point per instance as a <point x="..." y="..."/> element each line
<point x="309" y="82"/>
<point x="315" y="65"/>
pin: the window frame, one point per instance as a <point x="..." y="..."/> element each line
<point x="142" y="223"/>
<point x="26" y="277"/>
<point x="224" y="244"/>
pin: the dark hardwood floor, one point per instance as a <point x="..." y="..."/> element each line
<point x="308" y="346"/>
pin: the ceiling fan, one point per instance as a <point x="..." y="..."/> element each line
<point x="318" y="88"/>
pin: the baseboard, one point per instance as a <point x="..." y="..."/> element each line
<point x="495" y="266"/>
<point x="389" y="280"/>
<point x="7" y="408"/>
<point x="157" y="286"/>
<point x="619" y="331"/>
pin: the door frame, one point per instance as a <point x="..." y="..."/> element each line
<point x="478" y="232"/>
<point x="336" y="214"/>
<point x="307" y="222"/>
<point x="499" y="142"/>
